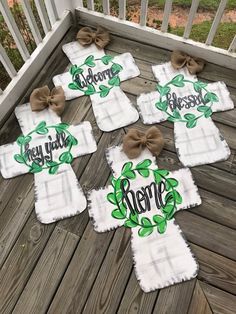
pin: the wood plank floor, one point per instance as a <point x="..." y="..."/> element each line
<point x="66" y="267"/>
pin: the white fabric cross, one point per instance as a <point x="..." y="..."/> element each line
<point x="115" y="110"/>
<point x="57" y="195"/>
<point x="190" y="102"/>
<point x="160" y="258"/>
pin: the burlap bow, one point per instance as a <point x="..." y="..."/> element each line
<point x="86" y="36"/>
<point x="135" y="141"/>
<point x="180" y="59"/>
<point x="42" y="98"/>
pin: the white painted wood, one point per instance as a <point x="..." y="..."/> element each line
<point x="32" y="66"/>
<point x="122" y="9"/>
<point x="232" y="47"/>
<point x="192" y="13"/>
<point x="157" y="38"/>
<point x="143" y="12"/>
<point x="43" y="16"/>
<point x="167" y="12"/>
<point x="51" y="11"/>
<point x="6" y="62"/>
<point x="106" y="7"/>
<point x="31" y="21"/>
<point x="90" y="4"/>
<point x="8" y="18"/>
<point x="216" y="21"/>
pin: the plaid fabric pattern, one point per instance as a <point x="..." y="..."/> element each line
<point x="57" y="196"/>
<point x="115" y="110"/>
<point x="202" y="144"/>
<point x="159" y="259"/>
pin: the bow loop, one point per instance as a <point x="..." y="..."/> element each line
<point x="135" y="141"/>
<point x="86" y="36"/>
<point x="180" y="59"/>
<point x="42" y="98"/>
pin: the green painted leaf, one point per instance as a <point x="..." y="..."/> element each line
<point x="116" y="68"/>
<point x="127" y="166"/>
<point x="106" y="59"/>
<point x="66" y="157"/>
<point x="177" y="197"/>
<point x="63" y="126"/>
<point x="79" y="71"/>
<point x="104" y="90"/>
<point x="168" y="208"/>
<point x="146" y="222"/>
<point x="90" y="90"/>
<point x="111" y="198"/>
<point x="206" y="110"/>
<point x="169" y="197"/>
<point x="89" y="61"/>
<point x="198" y="86"/>
<point x="130" y="224"/>
<point x="22" y="140"/>
<point x="73" y="69"/>
<point x="35" y="168"/>
<point x="171" y="119"/>
<point x="130" y="174"/>
<point x="210" y="97"/>
<point x="53" y="169"/>
<point x="191" y="123"/>
<point x="162" y="105"/>
<point x="134" y="218"/>
<point x="158" y="219"/>
<point x="71" y="140"/>
<point x="162" y="172"/>
<point x="189" y="116"/>
<point x="119" y="196"/>
<point x="171" y="183"/>
<point x="73" y="86"/>
<point x="144" y="232"/>
<point x="115" y="81"/>
<point x="157" y="177"/>
<point x="176" y="114"/>
<point x="163" y="90"/>
<point x="19" y="158"/>
<point x="162" y="227"/>
<point x="42" y="131"/>
<point x="178" y="80"/>
<point x="117" y="214"/>
<point x="123" y="208"/>
<point x="144" y="172"/>
<point x="144" y="164"/>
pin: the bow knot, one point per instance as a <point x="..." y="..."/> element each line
<point x="86" y="36"/>
<point x="135" y="141"/>
<point x="42" y="98"/>
<point x="180" y="59"/>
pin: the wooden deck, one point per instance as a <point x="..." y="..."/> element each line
<point x="67" y="267"/>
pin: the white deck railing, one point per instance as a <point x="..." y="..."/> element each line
<point x="55" y="16"/>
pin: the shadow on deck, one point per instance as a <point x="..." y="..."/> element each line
<point x="66" y="267"/>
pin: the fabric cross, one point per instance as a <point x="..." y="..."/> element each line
<point x="46" y="149"/>
<point x="145" y="198"/>
<point x="189" y="103"/>
<point x="95" y="74"/>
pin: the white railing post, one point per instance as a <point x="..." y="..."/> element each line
<point x="7" y="62"/>
<point x="232" y="47"/>
<point x="122" y="9"/>
<point x="51" y="10"/>
<point x="90" y="5"/>
<point x="216" y="22"/>
<point x="43" y="16"/>
<point x="31" y="21"/>
<point x="106" y="7"/>
<point x="192" y="13"/>
<point x="167" y="12"/>
<point x="143" y="12"/>
<point x="14" y="29"/>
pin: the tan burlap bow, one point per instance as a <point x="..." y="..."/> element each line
<point x="135" y="141"/>
<point x="42" y="98"/>
<point x="180" y="59"/>
<point x="86" y="36"/>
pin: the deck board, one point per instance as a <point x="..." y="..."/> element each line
<point x="66" y="267"/>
